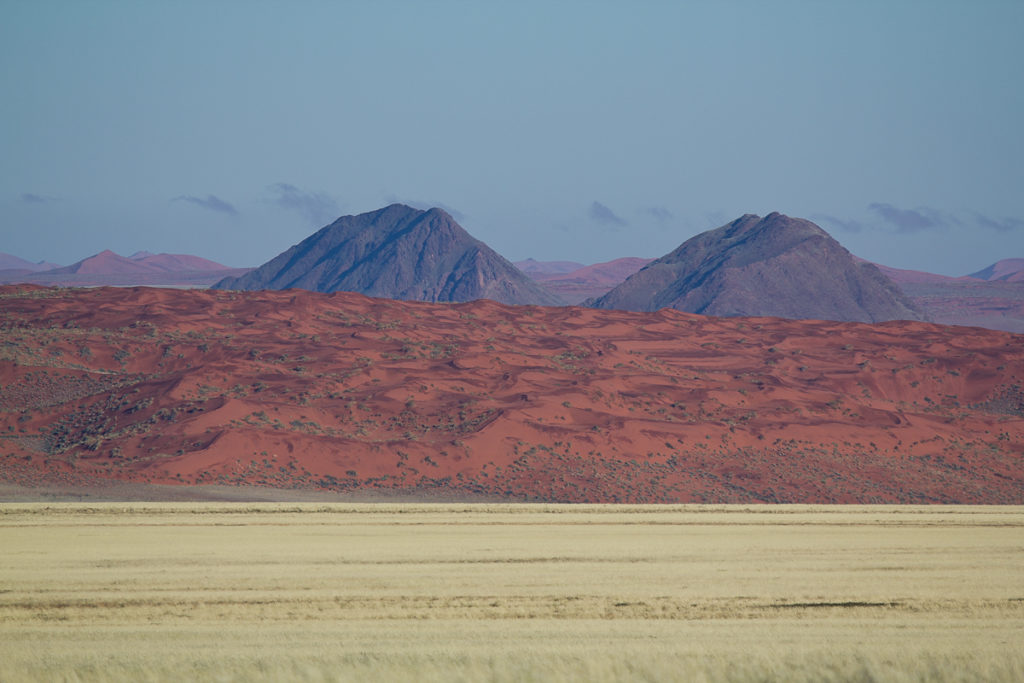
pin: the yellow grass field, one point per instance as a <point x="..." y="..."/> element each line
<point x="444" y="592"/>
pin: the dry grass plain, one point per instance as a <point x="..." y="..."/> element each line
<point x="318" y="592"/>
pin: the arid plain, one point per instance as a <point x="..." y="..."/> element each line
<point x="510" y="592"/>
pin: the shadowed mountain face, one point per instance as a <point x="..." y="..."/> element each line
<point x="771" y="266"/>
<point x="397" y="253"/>
<point x="1009" y="270"/>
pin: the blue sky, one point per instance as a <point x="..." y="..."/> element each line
<point x="557" y="130"/>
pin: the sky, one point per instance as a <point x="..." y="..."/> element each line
<point x="581" y="131"/>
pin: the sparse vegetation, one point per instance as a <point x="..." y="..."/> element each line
<point x="468" y="592"/>
<point x="196" y="391"/>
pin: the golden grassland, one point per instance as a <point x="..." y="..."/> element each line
<point x="321" y="592"/>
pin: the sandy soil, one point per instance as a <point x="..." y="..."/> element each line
<point x="339" y="393"/>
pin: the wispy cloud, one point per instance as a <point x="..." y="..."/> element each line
<point x="660" y="213"/>
<point x="424" y="206"/>
<point x="319" y="208"/>
<point x="1004" y="225"/>
<point x="30" y="198"/>
<point x="209" y="202"/>
<point x="599" y="213"/>
<point x="846" y="225"/>
<point x="911" y="220"/>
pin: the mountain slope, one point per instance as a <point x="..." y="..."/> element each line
<point x="590" y="281"/>
<point x="535" y="268"/>
<point x="104" y="263"/>
<point x="1009" y="270"/>
<point x="172" y="263"/>
<point x="143" y="268"/>
<point x="771" y="266"/>
<point x="997" y="304"/>
<point x="11" y="262"/>
<point x="397" y="253"/>
<point x="901" y="276"/>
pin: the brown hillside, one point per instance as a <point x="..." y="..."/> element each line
<point x="299" y="390"/>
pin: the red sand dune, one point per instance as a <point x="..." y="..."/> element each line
<point x="338" y="391"/>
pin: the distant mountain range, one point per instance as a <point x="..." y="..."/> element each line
<point x="9" y="262"/>
<point x="109" y="268"/>
<point x="1007" y="270"/>
<point x="772" y="266"/>
<point x="537" y="269"/>
<point x="992" y="297"/>
<point x="581" y="282"/>
<point x="397" y="252"/>
<point x="107" y="262"/>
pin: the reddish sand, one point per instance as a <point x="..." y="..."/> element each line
<point x="305" y="391"/>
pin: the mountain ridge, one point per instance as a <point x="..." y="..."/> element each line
<point x="107" y="268"/>
<point x="396" y="252"/>
<point x="12" y="262"/>
<point x="535" y="268"/>
<point x="576" y="285"/>
<point x="1007" y="270"/>
<point x="772" y="266"/>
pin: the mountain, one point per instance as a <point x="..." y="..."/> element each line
<point x="300" y="391"/>
<point x="397" y="252"/>
<point x="590" y="281"/>
<point x="174" y="263"/>
<point x="108" y="263"/>
<point x="771" y="266"/>
<point x="534" y="268"/>
<point x="11" y="262"/>
<point x="969" y="300"/>
<point x="902" y="276"/>
<point x="104" y="263"/>
<point x="1007" y="270"/>
<point x="142" y="268"/>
